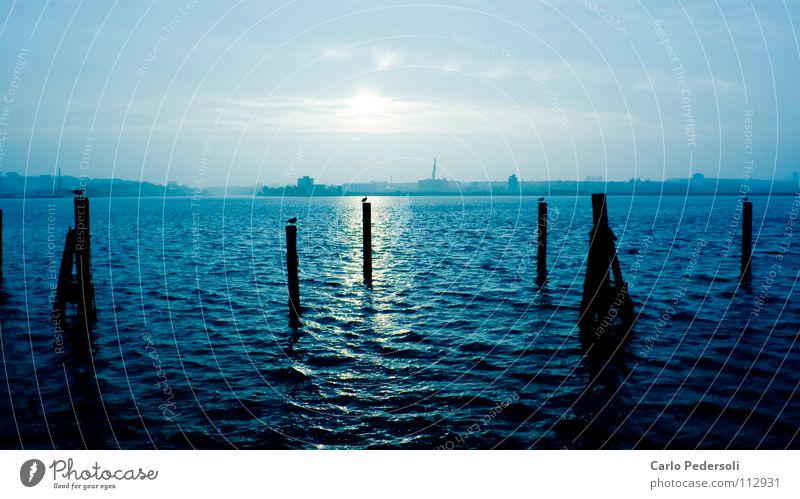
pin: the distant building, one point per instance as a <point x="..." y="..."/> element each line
<point x="594" y="178"/>
<point x="513" y="184"/>
<point x="433" y="184"/>
<point x="305" y="185"/>
<point x="377" y="187"/>
<point x="698" y="178"/>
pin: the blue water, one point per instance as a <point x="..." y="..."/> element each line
<point x="455" y="346"/>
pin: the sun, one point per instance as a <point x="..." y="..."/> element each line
<point x="367" y="103"/>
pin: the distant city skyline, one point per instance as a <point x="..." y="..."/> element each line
<point x="203" y="94"/>
<point x="13" y="185"/>
<point x="308" y="182"/>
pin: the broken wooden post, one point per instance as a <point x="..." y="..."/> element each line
<point x="77" y="288"/>
<point x="65" y="290"/>
<point x="541" y="243"/>
<point x="291" y="271"/>
<point x="83" y="258"/>
<point x="601" y="303"/>
<point x="366" y="221"/>
<point x="747" y="238"/>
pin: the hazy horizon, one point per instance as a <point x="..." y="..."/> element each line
<point x="264" y="92"/>
<point x="293" y="182"/>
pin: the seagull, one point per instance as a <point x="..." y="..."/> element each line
<point x="364" y="200"/>
<point x="79" y="191"/>
<point x="292" y="220"/>
<point x="541" y="199"/>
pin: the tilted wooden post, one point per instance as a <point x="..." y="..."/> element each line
<point x="83" y="258"/>
<point x="600" y="303"/>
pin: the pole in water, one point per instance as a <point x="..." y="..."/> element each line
<point x="65" y="290"/>
<point x="366" y="220"/>
<point x="1" y="244"/>
<point x="77" y="288"/>
<point x="599" y="298"/>
<point x="291" y="270"/>
<point x="83" y="258"/>
<point x="541" y="243"/>
<point x="596" y="286"/>
<point x="747" y="238"/>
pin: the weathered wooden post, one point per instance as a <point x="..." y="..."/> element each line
<point x="541" y="243"/>
<point x="291" y="271"/>
<point x="747" y="238"/>
<point x="65" y="291"/>
<point x="77" y="288"/>
<point x="1" y="244"/>
<point x="366" y="221"/>
<point x="596" y="283"/>
<point x="83" y="258"/>
<point x="600" y="303"/>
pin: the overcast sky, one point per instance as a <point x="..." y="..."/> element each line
<point x="207" y="92"/>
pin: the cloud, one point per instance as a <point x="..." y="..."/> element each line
<point x="336" y="52"/>
<point x="450" y="66"/>
<point x="369" y="112"/>
<point x="496" y="73"/>
<point x="385" y="59"/>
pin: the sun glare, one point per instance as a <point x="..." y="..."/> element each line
<point x="367" y="103"/>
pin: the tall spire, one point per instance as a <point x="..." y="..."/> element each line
<point x="433" y="175"/>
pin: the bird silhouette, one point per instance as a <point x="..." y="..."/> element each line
<point x="745" y="198"/>
<point x="292" y="220"/>
<point x="541" y="199"/>
<point x="364" y="200"/>
<point x="79" y="191"/>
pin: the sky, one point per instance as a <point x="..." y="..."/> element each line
<point x="235" y="93"/>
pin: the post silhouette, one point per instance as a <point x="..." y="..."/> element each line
<point x="541" y="244"/>
<point x="1" y="244"/>
<point x="77" y="288"/>
<point x="747" y="238"/>
<point x="291" y="271"/>
<point x="83" y="257"/>
<point x="601" y="303"/>
<point x="366" y="221"/>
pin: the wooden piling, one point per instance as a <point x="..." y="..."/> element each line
<point x="83" y="258"/>
<point x="366" y="220"/>
<point x="541" y="243"/>
<point x="596" y="287"/>
<point x="1" y="244"/>
<point x="747" y="238"/>
<point x="601" y="302"/>
<point x="77" y="288"/>
<point x="291" y="271"/>
<point x="65" y="291"/>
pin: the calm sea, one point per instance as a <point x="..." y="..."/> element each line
<point x="455" y="346"/>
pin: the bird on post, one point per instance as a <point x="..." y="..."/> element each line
<point x="541" y="198"/>
<point x="364" y="199"/>
<point x="79" y="191"/>
<point x="292" y="220"/>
